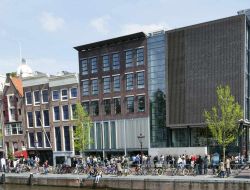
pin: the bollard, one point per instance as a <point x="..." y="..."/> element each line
<point x="3" y="178"/>
<point x="31" y="178"/>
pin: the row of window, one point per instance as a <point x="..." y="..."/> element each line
<point x="39" y="140"/>
<point x="114" y="60"/>
<point x="13" y="129"/>
<point x="43" y="96"/>
<point x="93" y="107"/>
<point x="116" y="86"/>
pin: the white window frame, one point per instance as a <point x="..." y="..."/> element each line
<point x="43" y="118"/>
<point x="62" y="113"/>
<point x="70" y="93"/>
<point x="53" y="112"/>
<point x="36" y="103"/>
<point x="26" y="97"/>
<point x="37" y="139"/>
<point x="42" y="96"/>
<point x="35" y="126"/>
<point x="64" y="95"/>
<point x="28" y="119"/>
<point x="53" y="96"/>
<point x="71" y="112"/>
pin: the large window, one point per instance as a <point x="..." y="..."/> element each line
<point x="107" y="106"/>
<point x="93" y="62"/>
<point x="106" y="84"/>
<point x="39" y="139"/>
<point x="92" y="137"/>
<point x="106" y="134"/>
<point x="64" y="94"/>
<point x="139" y="56"/>
<point x="47" y="139"/>
<point x="99" y="136"/>
<point x="129" y="58"/>
<point x="67" y="138"/>
<point x="55" y="95"/>
<point x="113" y="135"/>
<point x="73" y="109"/>
<point x="85" y="105"/>
<point x="28" y="98"/>
<point x="117" y="105"/>
<point x="58" y="139"/>
<point x="73" y="93"/>
<point x="95" y="86"/>
<point x="117" y="83"/>
<point x="30" y="119"/>
<point x="116" y="61"/>
<point x="45" y="96"/>
<point x="85" y="87"/>
<point x="140" y="79"/>
<point x="141" y="103"/>
<point x="13" y="129"/>
<point x="84" y="64"/>
<point x="129" y="81"/>
<point x="31" y="140"/>
<point x="130" y="104"/>
<point x="56" y="113"/>
<point x="38" y="118"/>
<point x="105" y="62"/>
<point x="95" y="108"/>
<point x="46" y="118"/>
<point x="37" y="97"/>
<point x="65" y="109"/>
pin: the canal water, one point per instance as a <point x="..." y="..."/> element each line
<point x="26" y="187"/>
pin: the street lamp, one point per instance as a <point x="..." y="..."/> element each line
<point x="140" y="139"/>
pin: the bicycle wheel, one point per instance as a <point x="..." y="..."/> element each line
<point x="185" y="171"/>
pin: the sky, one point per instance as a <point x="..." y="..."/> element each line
<point x="47" y="30"/>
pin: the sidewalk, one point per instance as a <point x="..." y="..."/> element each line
<point x="244" y="173"/>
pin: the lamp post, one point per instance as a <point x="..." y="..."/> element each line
<point x="140" y="139"/>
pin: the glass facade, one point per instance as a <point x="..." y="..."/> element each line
<point x="156" y="88"/>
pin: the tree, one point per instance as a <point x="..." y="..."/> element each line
<point x="83" y="124"/>
<point x="223" y="119"/>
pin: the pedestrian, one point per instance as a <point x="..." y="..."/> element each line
<point x="205" y="161"/>
<point x="3" y="164"/>
<point x="37" y="163"/>
<point x="98" y="176"/>
<point x="119" y="168"/>
<point x="228" y="167"/>
<point x="45" y="167"/>
<point x="222" y="169"/>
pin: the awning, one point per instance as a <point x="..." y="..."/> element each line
<point x="21" y="153"/>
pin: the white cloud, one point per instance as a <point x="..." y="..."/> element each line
<point x="101" y="24"/>
<point x="50" y="22"/>
<point x="133" y="28"/>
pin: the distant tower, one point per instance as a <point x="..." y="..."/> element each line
<point x="24" y="70"/>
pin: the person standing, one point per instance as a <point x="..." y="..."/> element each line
<point x="45" y="167"/>
<point x="3" y="164"/>
<point x="205" y="161"/>
<point x="228" y="167"/>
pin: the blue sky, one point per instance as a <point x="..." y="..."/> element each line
<point x="49" y="29"/>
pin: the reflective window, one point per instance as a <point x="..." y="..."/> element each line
<point x="106" y="135"/>
<point x="85" y="105"/>
<point x="129" y="58"/>
<point x="45" y="96"/>
<point x="141" y="103"/>
<point x="64" y="94"/>
<point x="56" y="113"/>
<point x="107" y="106"/>
<point x="85" y="88"/>
<point x="113" y="135"/>
<point x="117" y="105"/>
<point x="116" y="83"/>
<point x="65" y="109"/>
<point x="94" y="86"/>
<point x="39" y="139"/>
<point x="28" y="98"/>
<point x="140" y="56"/>
<point x="58" y="139"/>
<point x="30" y="119"/>
<point x="129" y="82"/>
<point x="55" y="95"/>
<point x="130" y="104"/>
<point x="116" y="61"/>
<point x="180" y="137"/>
<point x="92" y="137"/>
<point x="99" y="136"/>
<point x="73" y="109"/>
<point x="37" y="97"/>
<point x="38" y="118"/>
<point x="84" y="64"/>
<point x="46" y="117"/>
<point x="47" y="139"/>
<point x="95" y="108"/>
<point x="73" y="92"/>
<point x="140" y="80"/>
<point x="31" y="140"/>
<point x="66" y="138"/>
<point x="93" y="62"/>
<point x="105" y="62"/>
<point x="106" y="84"/>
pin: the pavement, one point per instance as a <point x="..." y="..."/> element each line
<point x="245" y="173"/>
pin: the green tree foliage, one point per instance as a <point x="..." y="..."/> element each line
<point x="83" y="124"/>
<point x="223" y="119"/>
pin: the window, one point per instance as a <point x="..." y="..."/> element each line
<point x="84" y="64"/>
<point x="73" y="93"/>
<point x="106" y="84"/>
<point x="37" y="97"/>
<point x="130" y="104"/>
<point x="30" y="119"/>
<point x="107" y="106"/>
<point x="13" y="129"/>
<point x="117" y="105"/>
<point x="99" y="136"/>
<point x="28" y="98"/>
<point x="95" y="108"/>
<point x="129" y="82"/>
<point x="139" y="56"/>
<point x="140" y="79"/>
<point x="31" y="140"/>
<point x="73" y="109"/>
<point x="129" y="58"/>
<point x="85" y="88"/>
<point x="55" y="95"/>
<point x="105" y="62"/>
<point x="64" y="95"/>
<point x="93" y="62"/>
<point x="116" y="83"/>
<point x="92" y="137"/>
<point x="85" y="106"/>
<point x="46" y="117"/>
<point x="65" y="109"/>
<point x="39" y="139"/>
<point x="58" y="139"/>
<point x="8" y="129"/>
<point x="94" y="86"/>
<point x="116" y="61"/>
<point x="141" y="103"/>
<point x="47" y="139"/>
<point x="45" y="96"/>
<point x="38" y="118"/>
<point x="113" y="134"/>
<point x="106" y="134"/>
<point x="56" y="113"/>
<point x="66" y="138"/>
